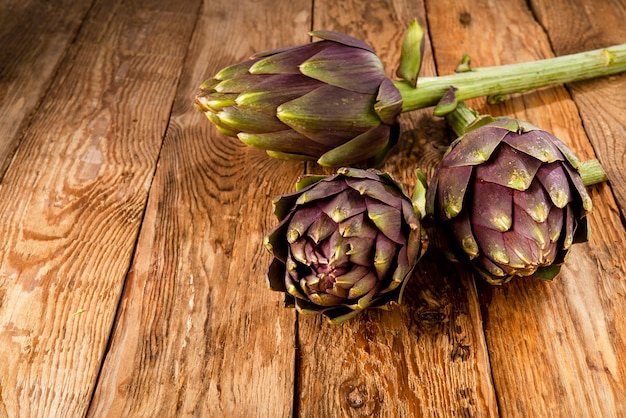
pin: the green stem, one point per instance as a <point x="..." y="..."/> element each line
<point x="461" y="118"/>
<point x="592" y="172"/>
<point x="514" y="78"/>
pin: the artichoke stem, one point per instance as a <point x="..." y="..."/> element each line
<point x="514" y="78"/>
<point x="461" y="117"/>
<point x="591" y="172"/>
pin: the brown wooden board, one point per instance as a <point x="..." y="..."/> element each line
<point x="72" y="202"/>
<point x="198" y="332"/>
<point x="132" y="272"/>
<point x="34" y="36"/>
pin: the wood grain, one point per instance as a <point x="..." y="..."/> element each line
<point x="562" y="342"/>
<point x="34" y="35"/>
<point x="427" y="357"/>
<point x="72" y="202"/>
<point x="131" y="265"/>
<point x="198" y="332"/>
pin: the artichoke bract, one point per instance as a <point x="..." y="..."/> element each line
<point x="345" y="243"/>
<point x="509" y="199"/>
<point x="328" y="101"/>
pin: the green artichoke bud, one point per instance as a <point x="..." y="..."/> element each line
<point x="509" y="199"/>
<point x="345" y="243"/>
<point x="328" y="101"/>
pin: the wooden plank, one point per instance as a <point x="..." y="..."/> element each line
<point x="583" y="25"/>
<point x="428" y="355"/>
<point x="556" y="348"/>
<point x="34" y="35"/>
<point x="198" y="331"/>
<point x="72" y="202"/>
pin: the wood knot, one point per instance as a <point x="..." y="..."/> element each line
<point x="465" y="18"/>
<point x="357" y="396"/>
<point x="429" y="317"/>
<point x="430" y="320"/>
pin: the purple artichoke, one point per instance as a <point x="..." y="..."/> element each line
<point x="509" y="199"/>
<point x="345" y="243"/>
<point x="328" y="101"/>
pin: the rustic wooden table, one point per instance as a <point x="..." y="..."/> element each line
<point x="131" y="265"/>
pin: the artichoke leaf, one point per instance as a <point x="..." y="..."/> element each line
<point x="411" y="53"/>
<point x="341" y="38"/>
<point x="360" y="148"/>
<point x="350" y="69"/>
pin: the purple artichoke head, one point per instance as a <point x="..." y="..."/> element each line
<point x="345" y="243"/>
<point x="509" y="199"/>
<point x="328" y="101"/>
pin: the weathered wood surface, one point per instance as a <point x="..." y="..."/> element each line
<point x="73" y="200"/>
<point x="131" y="265"/>
<point x="198" y="333"/>
<point x="34" y="36"/>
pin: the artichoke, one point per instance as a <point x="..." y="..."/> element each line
<point x="328" y="101"/>
<point x="345" y="243"/>
<point x="509" y="199"/>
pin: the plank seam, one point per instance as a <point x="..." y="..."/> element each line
<point x="26" y="122"/>
<point x="296" y="367"/>
<point x="118" y="309"/>
<point x="483" y="313"/>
